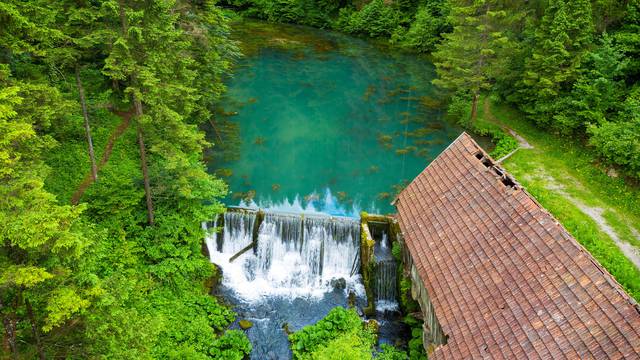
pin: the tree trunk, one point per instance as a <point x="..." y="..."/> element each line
<point x="143" y="161"/>
<point x="34" y="329"/>
<point x="137" y="104"/>
<point x="474" y="107"/>
<point x="87" y="128"/>
<point x="10" y="332"/>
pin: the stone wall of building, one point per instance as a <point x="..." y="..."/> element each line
<point x="432" y="335"/>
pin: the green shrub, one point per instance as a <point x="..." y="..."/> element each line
<point x="425" y="30"/>
<point x="349" y="346"/>
<point x="339" y="321"/>
<point x="341" y="335"/>
<point x="415" y="348"/>
<point x="391" y="353"/>
<point x="396" y="251"/>
<point x="618" y="143"/>
<point x="504" y="143"/>
<point x="375" y="19"/>
<point x="407" y="303"/>
<point x="459" y="110"/>
<point x="233" y="345"/>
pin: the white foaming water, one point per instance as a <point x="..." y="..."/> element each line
<point x="383" y="242"/>
<point x="296" y="255"/>
<point x="313" y="204"/>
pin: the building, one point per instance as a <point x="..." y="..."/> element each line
<point x="498" y="277"/>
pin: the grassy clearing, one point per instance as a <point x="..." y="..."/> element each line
<point x="567" y="164"/>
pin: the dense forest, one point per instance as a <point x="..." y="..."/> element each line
<point x="116" y="272"/>
<point x="101" y="253"/>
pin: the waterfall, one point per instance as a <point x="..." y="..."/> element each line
<point x="296" y="255"/>
<point x="386" y="281"/>
<point x="386" y="278"/>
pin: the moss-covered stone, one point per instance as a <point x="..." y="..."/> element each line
<point x="245" y="324"/>
<point x="373" y="326"/>
<point x="212" y="281"/>
<point x="367" y="263"/>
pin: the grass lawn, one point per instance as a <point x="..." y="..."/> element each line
<point x="567" y="180"/>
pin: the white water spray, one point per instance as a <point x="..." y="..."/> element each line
<point x="296" y="255"/>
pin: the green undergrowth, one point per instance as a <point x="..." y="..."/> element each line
<point x="415" y="347"/>
<point x="459" y="110"/>
<point x="341" y="335"/>
<point x="152" y="302"/>
<point x="560" y="171"/>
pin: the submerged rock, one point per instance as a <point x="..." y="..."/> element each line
<point x="340" y="283"/>
<point x="285" y="327"/>
<point x="352" y="300"/>
<point x="245" y="324"/>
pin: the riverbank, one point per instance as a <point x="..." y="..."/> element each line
<point x="598" y="207"/>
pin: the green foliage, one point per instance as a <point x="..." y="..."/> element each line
<point x="619" y="143"/>
<point x="504" y="143"/>
<point x="468" y="56"/>
<point x="560" y="43"/>
<point x="93" y="279"/>
<point x="391" y="353"/>
<point x="402" y="22"/>
<point x="416" y="348"/>
<point x="316" y="13"/>
<point x="40" y="241"/>
<point x="233" y="345"/>
<point x="424" y="32"/>
<point x="348" y="346"/>
<point x="339" y="321"/>
<point x="340" y="335"/>
<point x="596" y="93"/>
<point x="406" y="301"/>
<point x="627" y="37"/>
<point x="396" y="251"/>
<point x="375" y="19"/>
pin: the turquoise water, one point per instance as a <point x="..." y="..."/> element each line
<point x="324" y="122"/>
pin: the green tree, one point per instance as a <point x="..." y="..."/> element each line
<point x="425" y="31"/>
<point x="468" y="56"/>
<point x="627" y="39"/>
<point x="40" y="241"/>
<point x="618" y="141"/>
<point x="560" y="43"/>
<point x="597" y="93"/>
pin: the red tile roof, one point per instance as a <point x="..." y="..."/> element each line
<point x="505" y="278"/>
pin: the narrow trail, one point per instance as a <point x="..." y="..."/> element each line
<point x="115" y="135"/>
<point x="596" y="214"/>
<point x="522" y="142"/>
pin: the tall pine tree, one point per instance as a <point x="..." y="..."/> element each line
<point x="560" y="42"/>
<point x="470" y="54"/>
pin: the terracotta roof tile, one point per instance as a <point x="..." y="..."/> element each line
<point x="505" y="278"/>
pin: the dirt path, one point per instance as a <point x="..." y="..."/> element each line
<point x="596" y="213"/>
<point x="115" y="135"/>
<point x="522" y="142"/>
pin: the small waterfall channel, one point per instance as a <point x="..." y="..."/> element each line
<point x="386" y="276"/>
